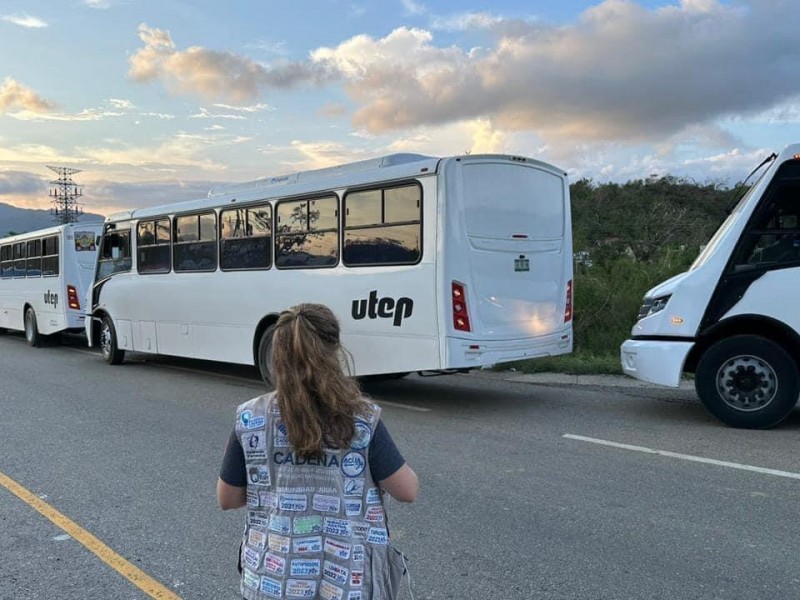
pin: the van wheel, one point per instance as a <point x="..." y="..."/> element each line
<point x="748" y="381"/>
<point x="108" y="343"/>
<point x="32" y="329"/>
<point x="265" y="355"/>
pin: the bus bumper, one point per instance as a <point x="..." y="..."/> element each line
<point x="472" y="353"/>
<point x="658" y="362"/>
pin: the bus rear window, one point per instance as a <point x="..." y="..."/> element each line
<point x="501" y="200"/>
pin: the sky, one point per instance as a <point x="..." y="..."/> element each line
<point x="158" y="102"/>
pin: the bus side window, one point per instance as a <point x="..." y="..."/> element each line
<point x="115" y="254"/>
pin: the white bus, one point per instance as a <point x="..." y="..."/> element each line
<point x="733" y="319"/>
<point x="430" y="264"/>
<point x="44" y="277"/>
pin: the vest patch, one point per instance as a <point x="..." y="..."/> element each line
<point x="279" y="543"/>
<point x="353" y="464"/>
<point x="308" y="545"/>
<point x="301" y="588"/>
<point x="324" y="503"/>
<point x="354" y="487"/>
<point x="306" y="525"/>
<point x="328" y="591"/>
<point x="305" y="567"/>
<point x="290" y="458"/>
<point x="293" y="502"/>
<point x="337" y="548"/>
<point x="274" y="563"/>
<point x="334" y="572"/>
<point x="280" y="524"/>
<point x="271" y="587"/>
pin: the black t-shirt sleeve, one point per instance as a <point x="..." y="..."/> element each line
<point x="384" y="457"/>
<point x="233" y="471"/>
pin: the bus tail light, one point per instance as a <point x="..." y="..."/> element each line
<point x="460" y="311"/>
<point x="568" y="308"/>
<point x="72" y="298"/>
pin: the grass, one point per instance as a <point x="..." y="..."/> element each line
<point x="577" y="363"/>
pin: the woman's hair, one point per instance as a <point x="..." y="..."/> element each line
<point x="317" y="399"/>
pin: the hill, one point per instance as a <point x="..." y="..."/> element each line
<point x="21" y="220"/>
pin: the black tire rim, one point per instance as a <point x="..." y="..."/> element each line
<point x="105" y="339"/>
<point x="29" y="326"/>
<point x="747" y="383"/>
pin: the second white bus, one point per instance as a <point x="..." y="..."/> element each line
<point x="44" y="277"/>
<point x="430" y="265"/>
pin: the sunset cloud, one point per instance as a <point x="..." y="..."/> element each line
<point x="213" y="74"/>
<point x="16" y="97"/>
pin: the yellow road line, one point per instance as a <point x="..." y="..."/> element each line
<point x="136" y="576"/>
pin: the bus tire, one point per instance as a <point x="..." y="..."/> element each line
<point x="108" y="342"/>
<point x="264" y="356"/>
<point x="32" y="329"/>
<point x="748" y="381"/>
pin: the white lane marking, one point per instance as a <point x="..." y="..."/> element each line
<point x="406" y="406"/>
<point x="700" y="459"/>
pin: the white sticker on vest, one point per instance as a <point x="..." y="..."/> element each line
<point x="271" y="587"/>
<point x="373" y="496"/>
<point x="337" y="548"/>
<point x="251" y="558"/>
<point x="362" y="436"/>
<point x="249" y="421"/>
<point x="354" y="595"/>
<point x="340" y="527"/>
<point x="306" y="525"/>
<point x="358" y="553"/>
<point x="293" y="502"/>
<point x="353" y="464"/>
<point x="324" y="503"/>
<point x="281" y="437"/>
<point x="252" y="498"/>
<point x="250" y="579"/>
<point x="354" y="487"/>
<point x="280" y="524"/>
<point x="254" y="445"/>
<point x="274" y="563"/>
<point x="305" y="567"/>
<point x="301" y="588"/>
<point x="279" y="543"/>
<point x="258" y="475"/>
<point x="334" y="572"/>
<point x="356" y="578"/>
<point x="360" y="529"/>
<point x="377" y="535"/>
<point x="374" y="514"/>
<point x="328" y="591"/>
<point x="352" y="508"/>
<point x="268" y="499"/>
<point x="257" y="519"/>
<point x="257" y="539"/>
<point x="307" y="545"/>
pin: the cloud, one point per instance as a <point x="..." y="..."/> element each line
<point x="620" y="72"/>
<point x="99" y="4"/>
<point x="15" y="96"/>
<point x="248" y="109"/>
<point x="121" y="104"/>
<point x="213" y="74"/>
<point x="25" y="20"/>
<point x="207" y="114"/>
<point x="21" y="182"/>
<point x="414" y="8"/>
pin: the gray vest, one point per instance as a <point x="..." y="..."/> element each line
<point x="316" y="528"/>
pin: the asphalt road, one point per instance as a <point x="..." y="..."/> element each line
<point x="509" y="507"/>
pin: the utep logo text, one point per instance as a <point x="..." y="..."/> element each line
<point x="385" y="308"/>
<point x="51" y="298"/>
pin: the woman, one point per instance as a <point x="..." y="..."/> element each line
<point x="311" y="461"/>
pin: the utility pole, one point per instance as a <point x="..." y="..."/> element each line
<point x="65" y="196"/>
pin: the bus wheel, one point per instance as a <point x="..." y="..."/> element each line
<point x="32" y="329"/>
<point x="108" y="343"/>
<point x="748" y="381"/>
<point x="264" y="356"/>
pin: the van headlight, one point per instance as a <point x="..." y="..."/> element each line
<point x="651" y="306"/>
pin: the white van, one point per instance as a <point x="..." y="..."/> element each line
<point x="733" y="319"/>
<point x="44" y="276"/>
